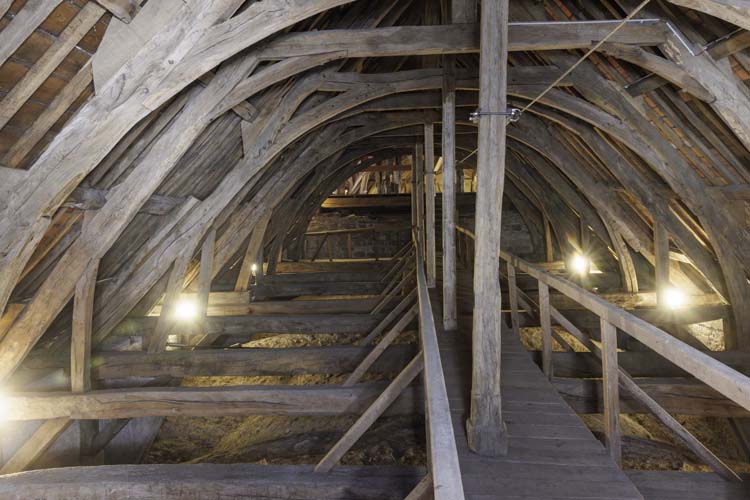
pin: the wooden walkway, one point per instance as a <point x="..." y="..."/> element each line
<point x="677" y="485"/>
<point x="552" y="454"/>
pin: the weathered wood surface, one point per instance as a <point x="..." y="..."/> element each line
<point x="239" y="304"/>
<point x="448" y="199"/>
<point x="733" y="11"/>
<point x="257" y="323"/>
<point x="442" y="445"/>
<point x="372" y="413"/>
<point x="486" y="430"/>
<point x="380" y="348"/>
<point x="611" y="391"/>
<point x="246" y="362"/>
<point x="266" y="290"/>
<point x="36" y="445"/>
<point x="456" y="39"/>
<point x="205" y="402"/>
<point x="675" y="395"/>
<point x="200" y="481"/>
<point x="551" y="453"/>
<point x="677" y="485"/>
<point x="636" y="363"/>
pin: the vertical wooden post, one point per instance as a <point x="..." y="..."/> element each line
<point x="464" y="11"/>
<point x="253" y="255"/>
<point x="611" y="390"/>
<point x="546" y="322"/>
<point x="548" y="245"/>
<point x="661" y="260"/>
<point x="513" y="294"/>
<point x="414" y="192"/>
<point x="204" y="278"/>
<point x="80" y="357"/>
<point x="486" y="431"/>
<point x="429" y="197"/>
<point x="80" y="347"/>
<point x="450" y="304"/>
<point x="419" y="168"/>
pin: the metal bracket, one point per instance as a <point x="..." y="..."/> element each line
<point x="513" y="114"/>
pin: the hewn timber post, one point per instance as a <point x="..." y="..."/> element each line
<point x="486" y="431"/>
<point x="429" y="197"/>
<point x="513" y="294"/>
<point x="546" y="322"/>
<point x="80" y="346"/>
<point x="611" y="392"/>
<point x="419" y="195"/>
<point x="548" y="246"/>
<point x="414" y="192"/>
<point x="253" y="255"/>
<point x="661" y="261"/>
<point x="450" y="305"/>
<point x="80" y="358"/>
<point x="204" y="279"/>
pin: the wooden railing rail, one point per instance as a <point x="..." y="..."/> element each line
<point x="444" y="465"/>
<point x="725" y="380"/>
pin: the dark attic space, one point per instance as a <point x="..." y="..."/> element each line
<point x="375" y="249"/>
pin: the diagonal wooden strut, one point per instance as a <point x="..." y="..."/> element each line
<point x="372" y="413"/>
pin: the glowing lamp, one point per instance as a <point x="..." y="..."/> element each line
<point x="579" y="264"/>
<point x="673" y="298"/>
<point x="185" y="310"/>
<point x="254" y="268"/>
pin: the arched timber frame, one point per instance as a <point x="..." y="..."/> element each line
<point x="295" y="104"/>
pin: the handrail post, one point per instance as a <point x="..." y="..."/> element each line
<point x="546" y="322"/>
<point x="513" y="294"/>
<point x="610" y="390"/>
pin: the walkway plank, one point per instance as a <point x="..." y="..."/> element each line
<point x="552" y="454"/>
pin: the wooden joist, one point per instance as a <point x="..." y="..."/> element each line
<point x="121" y="482"/>
<point x="678" y="396"/>
<point x="636" y="363"/>
<point x="208" y="402"/>
<point x="246" y="362"/>
<point x="457" y="39"/>
<point x="258" y="324"/>
<point x="266" y="291"/>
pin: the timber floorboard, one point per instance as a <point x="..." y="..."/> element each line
<point x="551" y="455"/>
<point x="678" y="485"/>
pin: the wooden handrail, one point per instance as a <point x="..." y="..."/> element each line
<point x="445" y="469"/>
<point x="727" y="381"/>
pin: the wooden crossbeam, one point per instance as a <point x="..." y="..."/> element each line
<point x="214" y="481"/>
<point x="245" y="362"/>
<point x="457" y="39"/>
<point x="207" y="402"/>
<point x="259" y="323"/>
